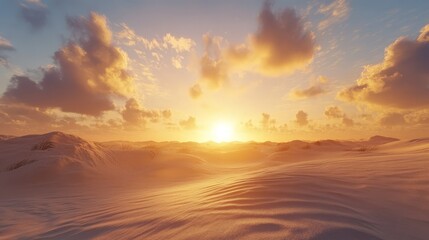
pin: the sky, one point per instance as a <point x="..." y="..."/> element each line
<point x="241" y="70"/>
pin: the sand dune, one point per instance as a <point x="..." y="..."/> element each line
<point x="52" y="157"/>
<point x="59" y="186"/>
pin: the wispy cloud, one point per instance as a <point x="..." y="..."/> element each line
<point x="188" y="124"/>
<point x="315" y="89"/>
<point x="336" y="11"/>
<point x="34" y="12"/>
<point x="5" y="46"/>
<point x="154" y="49"/>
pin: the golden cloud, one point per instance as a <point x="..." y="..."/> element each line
<point x="88" y="72"/>
<point x="195" y="91"/>
<point x="268" y="123"/>
<point x="391" y="119"/>
<point x="334" y="112"/>
<point x="189" y="123"/>
<point x="336" y="11"/>
<point x="281" y="45"/>
<point x="213" y="67"/>
<point x="135" y="114"/>
<point x="315" y="89"/>
<point x="301" y="118"/>
<point x="401" y="81"/>
<point x="179" y="44"/>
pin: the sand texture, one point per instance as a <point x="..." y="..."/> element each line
<point x="59" y="186"/>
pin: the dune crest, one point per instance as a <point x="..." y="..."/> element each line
<point x="51" y="157"/>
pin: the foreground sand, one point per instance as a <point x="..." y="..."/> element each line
<point x="58" y="186"/>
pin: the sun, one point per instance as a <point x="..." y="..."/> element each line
<point x="223" y="132"/>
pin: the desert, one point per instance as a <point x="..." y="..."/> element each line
<point x="60" y="186"/>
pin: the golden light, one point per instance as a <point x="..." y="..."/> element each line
<point x="223" y="132"/>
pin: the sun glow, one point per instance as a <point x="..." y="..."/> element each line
<point x="223" y="132"/>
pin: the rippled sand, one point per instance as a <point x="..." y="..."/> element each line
<point x="57" y="186"/>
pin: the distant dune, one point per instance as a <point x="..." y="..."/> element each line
<point x="60" y="186"/>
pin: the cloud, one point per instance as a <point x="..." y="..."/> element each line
<point x="213" y="68"/>
<point x="188" y="124"/>
<point x="268" y="123"/>
<point x="34" y="12"/>
<point x="149" y="54"/>
<point x="401" y="81"/>
<point x="134" y="114"/>
<point x="336" y="11"/>
<point x="309" y="92"/>
<point x="5" y="46"/>
<point x="280" y="45"/>
<point x="166" y="113"/>
<point x="334" y="112"/>
<point x="301" y="118"/>
<point x="129" y="37"/>
<point x="195" y="91"/>
<point x="392" y="119"/>
<point x="21" y="116"/>
<point x="249" y="125"/>
<point x="179" y="44"/>
<point x="348" y="121"/>
<point x="88" y="72"/>
<point x="177" y="62"/>
<point x="315" y="89"/>
<point x="418" y="117"/>
<point x="424" y="34"/>
<point x="17" y="119"/>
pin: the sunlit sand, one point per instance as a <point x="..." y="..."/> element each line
<point x="59" y="186"/>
